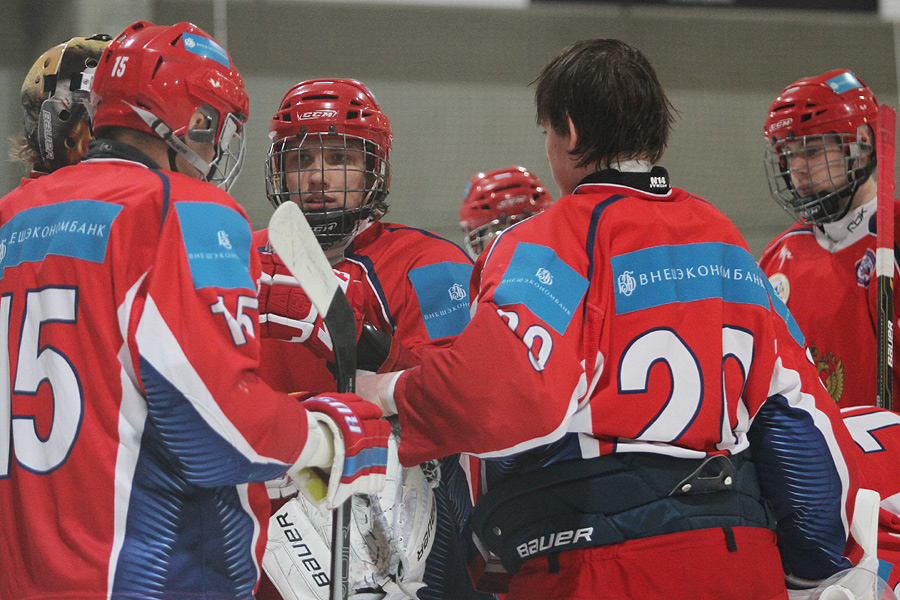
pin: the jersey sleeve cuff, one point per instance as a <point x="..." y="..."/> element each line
<point x="390" y="401"/>
<point x="319" y="448"/>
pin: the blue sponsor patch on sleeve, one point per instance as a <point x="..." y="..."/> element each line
<point x="217" y="240"/>
<point x="76" y="228"/>
<point x="544" y="283"/>
<point x="442" y="291"/>
<point x="687" y="273"/>
<point x="204" y="46"/>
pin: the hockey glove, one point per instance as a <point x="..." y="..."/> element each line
<point x="285" y="312"/>
<point x="360" y="440"/>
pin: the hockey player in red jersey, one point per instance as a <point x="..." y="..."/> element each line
<point x="56" y="105"/>
<point x="497" y="199"/>
<point x="820" y="161"/>
<point x="625" y="357"/>
<point x="330" y="154"/>
<point x="135" y="434"/>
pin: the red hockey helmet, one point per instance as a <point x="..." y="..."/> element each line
<point x="316" y="115"/>
<point x="153" y="78"/>
<point x="811" y="114"/>
<point x="56" y="102"/>
<point x="497" y="199"/>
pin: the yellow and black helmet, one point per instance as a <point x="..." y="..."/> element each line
<point x="56" y="103"/>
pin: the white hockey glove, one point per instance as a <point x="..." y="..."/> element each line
<point x="390" y="538"/>
<point x="359" y="440"/>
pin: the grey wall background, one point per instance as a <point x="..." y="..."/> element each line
<point x="455" y="82"/>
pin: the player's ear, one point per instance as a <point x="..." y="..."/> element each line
<point x="201" y="127"/>
<point x="866" y="140"/>
<point x="573" y="135"/>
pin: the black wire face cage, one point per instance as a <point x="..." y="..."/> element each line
<point x="338" y="180"/>
<point x="814" y="177"/>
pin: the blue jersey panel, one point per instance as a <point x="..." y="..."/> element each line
<point x="544" y="283"/>
<point x="77" y="229"/>
<point x="665" y="274"/>
<point x="217" y="240"/>
<point x="443" y="299"/>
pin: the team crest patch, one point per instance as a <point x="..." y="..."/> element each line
<point x="831" y="372"/>
<point x="781" y="285"/>
<point x="865" y="267"/>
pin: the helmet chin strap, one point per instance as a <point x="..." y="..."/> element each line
<point x="176" y="144"/>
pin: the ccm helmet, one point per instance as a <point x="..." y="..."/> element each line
<point x="330" y="153"/>
<point x="56" y="104"/>
<point x="497" y="199"/>
<point x="813" y="158"/>
<point x="153" y="78"/>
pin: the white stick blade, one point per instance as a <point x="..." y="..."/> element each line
<point x="296" y="245"/>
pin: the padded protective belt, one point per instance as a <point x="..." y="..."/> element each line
<point x="611" y="499"/>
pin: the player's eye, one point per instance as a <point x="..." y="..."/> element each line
<point x="305" y="158"/>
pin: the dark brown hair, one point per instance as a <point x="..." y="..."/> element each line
<point x="614" y="98"/>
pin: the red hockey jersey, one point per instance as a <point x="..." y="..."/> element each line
<point x="635" y="320"/>
<point x="131" y="419"/>
<point x="830" y="289"/>
<point x="407" y="282"/>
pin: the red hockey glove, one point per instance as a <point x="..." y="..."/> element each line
<point x="360" y="439"/>
<point x="285" y="312"/>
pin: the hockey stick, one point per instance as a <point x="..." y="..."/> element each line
<point x="884" y="256"/>
<point x="296" y="245"/>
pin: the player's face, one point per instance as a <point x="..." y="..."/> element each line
<point x="326" y="173"/>
<point x="816" y="164"/>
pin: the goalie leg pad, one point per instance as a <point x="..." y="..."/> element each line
<point x="297" y="558"/>
<point x="390" y="537"/>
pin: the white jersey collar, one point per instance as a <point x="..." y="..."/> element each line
<point x="849" y="230"/>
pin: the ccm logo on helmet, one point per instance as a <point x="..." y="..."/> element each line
<point x="317" y="114"/>
<point x="512" y="201"/>
<point x="780" y="124"/>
